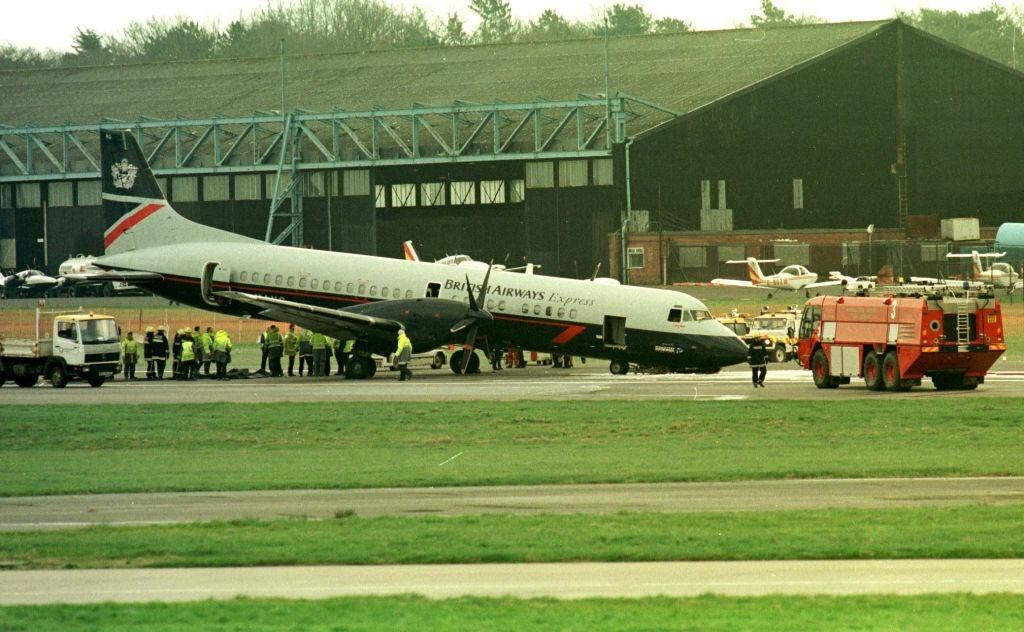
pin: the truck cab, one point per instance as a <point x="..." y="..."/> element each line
<point x="79" y="346"/>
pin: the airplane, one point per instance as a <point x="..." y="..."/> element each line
<point x="1001" y="275"/>
<point x="29" y="283"/>
<point x="791" y="277"/>
<point x="368" y="298"/>
<point x="853" y="284"/>
<point x="465" y="261"/>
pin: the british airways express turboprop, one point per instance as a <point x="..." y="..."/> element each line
<point x="368" y="298"/>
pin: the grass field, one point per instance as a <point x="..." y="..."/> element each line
<point x="200" y="446"/>
<point x="929" y="532"/>
<point x="927" y="612"/>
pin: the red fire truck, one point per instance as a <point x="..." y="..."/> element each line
<point x="895" y="341"/>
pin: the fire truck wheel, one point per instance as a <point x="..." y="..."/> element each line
<point x="872" y="371"/>
<point x="891" y="374"/>
<point x="820" y="371"/>
<point x="618" y="367"/>
<point x="780" y="353"/>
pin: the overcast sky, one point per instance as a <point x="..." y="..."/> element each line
<point x="47" y="24"/>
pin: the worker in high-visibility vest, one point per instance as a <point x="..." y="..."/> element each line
<point x="275" y="349"/>
<point x="306" y="352"/>
<point x="222" y="353"/>
<point x="206" y="342"/>
<point x="189" y="365"/>
<point x="291" y="348"/>
<point x="403" y="353"/>
<point x="319" y="343"/>
<point x="346" y="353"/>
<point x="129" y="355"/>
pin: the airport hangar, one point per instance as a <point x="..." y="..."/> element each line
<point x="702" y="146"/>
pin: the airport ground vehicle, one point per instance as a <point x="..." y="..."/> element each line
<point x="895" y="341"/>
<point x="79" y="346"/>
<point x="83" y="264"/>
<point x="738" y="323"/>
<point x="779" y="331"/>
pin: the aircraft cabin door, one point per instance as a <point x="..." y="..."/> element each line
<point x="615" y="332"/>
<point x="213" y="274"/>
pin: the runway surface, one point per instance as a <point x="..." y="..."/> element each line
<point x="590" y="382"/>
<point x="565" y="581"/>
<point x="58" y="512"/>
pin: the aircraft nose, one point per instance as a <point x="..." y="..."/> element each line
<point x="731" y="350"/>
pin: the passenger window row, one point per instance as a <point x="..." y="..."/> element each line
<point x="324" y="285"/>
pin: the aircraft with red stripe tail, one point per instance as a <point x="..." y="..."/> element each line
<point x="368" y="298"/>
<point x="792" y="277"/>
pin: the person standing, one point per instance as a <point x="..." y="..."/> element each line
<point x="222" y="353"/>
<point x="403" y="353"/>
<point x="188" y="364"/>
<point x="176" y="355"/>
<point x="291" y="347"/>
<point x="329" y="353"/>
<point x="206" y="342"/>
<point x="319" y="344"/>
<point x="147" y="351"/>
<point x="197" y="344"/>
<point x="758" y="359"/>
<point x="496" y="359"/>
<point x="346" y="353"/>
<point x="338" y="353"/>
<point x="306" y="352"/>
<point x="160" y="349"/>
<point x="275" y="349"/>
<point x="129" y="355"/>
<point x="262" y="342"/>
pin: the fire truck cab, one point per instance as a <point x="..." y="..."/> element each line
<point x="892" y="342"/>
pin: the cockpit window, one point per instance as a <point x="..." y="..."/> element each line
<point x="675" y="315"/>
<point x="699" y="314"/>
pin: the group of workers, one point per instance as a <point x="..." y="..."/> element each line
<point x="313" y="349"/>
<point x="187" y="350"/>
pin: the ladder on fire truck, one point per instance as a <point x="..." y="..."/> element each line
<point x="963" y="321"/>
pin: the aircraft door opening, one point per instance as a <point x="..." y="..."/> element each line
<point x="615" y="332"/>
<point x="213" y="273"/>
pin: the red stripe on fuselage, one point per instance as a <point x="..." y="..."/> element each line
<point x="129" y="222"/>
<point x="568" y="334"/>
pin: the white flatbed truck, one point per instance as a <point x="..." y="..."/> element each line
<point x="80" y="345"/>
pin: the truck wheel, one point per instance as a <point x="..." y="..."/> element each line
<point x="438" y="360"/>
<point x="26" y="381"/>
<point x="891" y="374"/>
<point x="872" y="371"/>
<point x="779" y="355"/>
<point x="819" y="369"/>
<point x="97" y="382"/>
<point x="619" y="367"/>
<point x="57" y="377"/>
<point x="947" y="381"/>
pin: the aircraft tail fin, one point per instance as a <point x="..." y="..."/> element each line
<point x="410" y="252"/>
<point x="136" y="211"/>
<point x="754" y="271"/>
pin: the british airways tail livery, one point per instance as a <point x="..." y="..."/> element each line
<point x="368" y="299"/>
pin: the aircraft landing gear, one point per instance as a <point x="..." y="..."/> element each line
<point x="360" y="367"/>
<point x="619" y="367"/>
<point x="455" y="363"/>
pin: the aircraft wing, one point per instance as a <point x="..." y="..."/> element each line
<point x="733" y="283"/>
<point x="126" y="276"/>
<point x="926" y="280"/>
<point x="336" y="323"/>
<point x="824" y="283"/>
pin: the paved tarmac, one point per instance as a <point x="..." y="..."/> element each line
<point x="58" y="512"/>
<point x="590" y="382"/>
<point x="565" y="581"/>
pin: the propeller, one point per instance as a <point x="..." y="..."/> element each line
<point x="476" y="316"/>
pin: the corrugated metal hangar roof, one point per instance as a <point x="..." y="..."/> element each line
<point x="677" y="71"/>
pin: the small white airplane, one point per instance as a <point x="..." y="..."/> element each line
<point x="369" y="299"/>
<point x="465" y="261"/>
<point x="853" y="284"/>
<point x="29" y="283"/>
<point x="792" y="277"/>
<point x="1000" y="275"/>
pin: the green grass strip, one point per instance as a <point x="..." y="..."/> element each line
<point x="960" y="532"/>
<point x="206" y="446"/>
<point x="924" y="612"/>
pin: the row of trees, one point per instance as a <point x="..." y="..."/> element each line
<point x="355" y="25"/>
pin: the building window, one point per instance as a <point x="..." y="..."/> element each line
<point x="89" y="193"/>
<point x="7" y="195"/>
<point x="381" y="196"/>
<point x="247" y="187"/>
<point x="693" y="256"/>
<point x="851" y="254"/>
<point x="492" y="192"/>
<point x="540" y="175"/>
<point x="604" y="172"/>
<point x="516" y="191"/>
<point x="185" y="189"/>
<point x="28" y="195"/>
<point x="314" y="184"/>
<point x="635" y="258"/>
<point x="798" y="193"/>
<point x="60" y="194"/>
<point x="793" y="254"/>
<point x="432" y="194"/>
<point x="572" y="173"/>
<point x="463" y="193"/>
<point x="731" y="253"/>
<point x="215" y="188"/>
<point x="271" y="180"/>
<point x="356" y="182"/>
<point x="403" y="195"/>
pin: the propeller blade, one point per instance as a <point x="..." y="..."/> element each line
<point x="467" y="348"/>
<point x="472" y="301"/>
<point x="462" y="324"/>
<point x="483" y="288"/>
